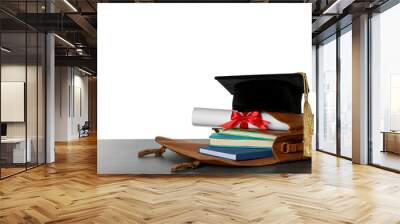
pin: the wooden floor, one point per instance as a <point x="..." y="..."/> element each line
<point x="5" y="172"/>
<point x="70" y="191"/>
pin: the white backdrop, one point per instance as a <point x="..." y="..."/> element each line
<point x="158" y="61"/>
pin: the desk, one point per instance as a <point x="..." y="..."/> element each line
<point x="13" y="150"/>
<point x="391" y="141"/>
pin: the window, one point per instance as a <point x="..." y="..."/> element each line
<point x="385" y="89"/>
<point x="346" y="93"/>
<point x="327" y="96"/>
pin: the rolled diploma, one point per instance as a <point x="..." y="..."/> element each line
<point x="215" y="117"/>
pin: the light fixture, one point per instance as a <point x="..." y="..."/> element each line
<point x="64" y="40"/>
<point x="5" y="50"/>
<point x="337" y="7"/>
<point x="70" y="5"/>
<point x="84" y="71"/>
<point x="79" y="51"/>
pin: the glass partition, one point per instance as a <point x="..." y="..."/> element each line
<point x="14" y="153"/>
<point x="22" y="77"/>
<point x="41" y="107"/>
<point x="32" y="97"/>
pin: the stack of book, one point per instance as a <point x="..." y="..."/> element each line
<point x="240" y="144"/>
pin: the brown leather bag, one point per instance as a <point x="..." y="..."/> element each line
<point x="288" y="146"/>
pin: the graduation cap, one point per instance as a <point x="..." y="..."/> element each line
<point x="272" y="93"/>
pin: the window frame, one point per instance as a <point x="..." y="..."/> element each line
<point x="381" y="9"/>
<point x="334" y="37"/>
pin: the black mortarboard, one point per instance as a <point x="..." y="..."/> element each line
<point x="269" y="92"/>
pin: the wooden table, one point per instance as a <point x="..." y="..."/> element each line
<point x="14" y="150"/>
<point x="391" y="141"/>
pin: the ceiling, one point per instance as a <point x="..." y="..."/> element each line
<point x="75" y="22"/>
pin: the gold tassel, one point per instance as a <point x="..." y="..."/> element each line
<point x="308" y="119"/>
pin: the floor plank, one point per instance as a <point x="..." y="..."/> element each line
<point x="70" y="191"/>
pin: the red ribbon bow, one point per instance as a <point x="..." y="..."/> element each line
<point x="244" y="119"/>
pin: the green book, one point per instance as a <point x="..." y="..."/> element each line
<point x="246" y="133"/>
<point x="221" y="140"/>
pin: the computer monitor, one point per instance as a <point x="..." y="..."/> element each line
<point x="3" y="129"/>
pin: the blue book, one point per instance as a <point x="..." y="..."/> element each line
<point x="237" y="153"/>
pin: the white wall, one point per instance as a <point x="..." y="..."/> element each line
<point x="61" y="103"/>
<point x="68" y="82"/>
<point x="152" y="74"/>
<point x="80" y="83"/>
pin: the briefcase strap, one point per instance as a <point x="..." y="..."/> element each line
<point x="184" y="166"/>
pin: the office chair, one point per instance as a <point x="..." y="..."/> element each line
<point x="84" y="130"/>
